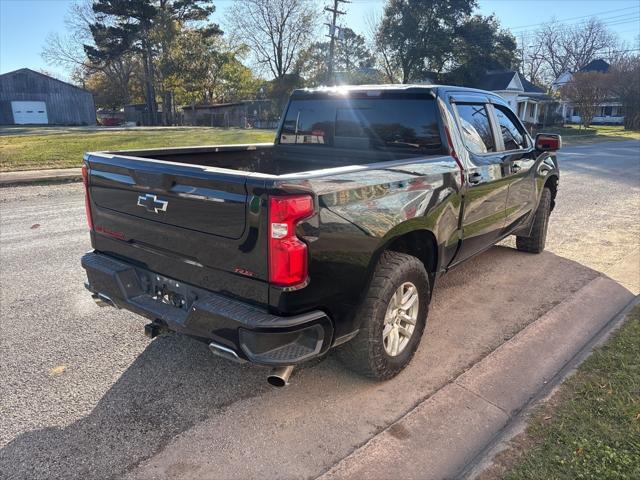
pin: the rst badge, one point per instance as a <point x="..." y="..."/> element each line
<point x="151" y="203"/>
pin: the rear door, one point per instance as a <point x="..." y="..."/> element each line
<point x="518" y="157"/>
<point x="485" y="198"/>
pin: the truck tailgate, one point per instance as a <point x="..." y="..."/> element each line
<point x="173" y="196"/>
<point x="171" y="216"/>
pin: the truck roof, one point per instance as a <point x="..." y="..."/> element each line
<point x="408" y="87"/>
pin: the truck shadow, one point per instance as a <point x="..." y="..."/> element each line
<point x="176" y="382"/>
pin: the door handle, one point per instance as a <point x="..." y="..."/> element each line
<point x="515" y="168"/>
<point x="475" y="178"/>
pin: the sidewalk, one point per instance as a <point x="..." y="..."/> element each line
<point x="27" y="177"/>
<point x="443" y="436"/>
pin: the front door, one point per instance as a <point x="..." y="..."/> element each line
<point x="518" y="156"/>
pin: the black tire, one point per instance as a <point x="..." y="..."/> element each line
<point x="366" y="354"/>
<point x="535" y="242"/>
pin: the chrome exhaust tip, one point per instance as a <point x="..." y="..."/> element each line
<point x="279" y="377"/>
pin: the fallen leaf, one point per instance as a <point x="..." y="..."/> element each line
<point x="59" y="370"/>
<point x="34" y="226"/>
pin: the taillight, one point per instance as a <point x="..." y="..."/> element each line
<point x="87" y="205"/>
<point x="287" y="253"/>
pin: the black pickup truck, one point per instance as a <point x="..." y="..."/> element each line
<point x="333" y="236"/>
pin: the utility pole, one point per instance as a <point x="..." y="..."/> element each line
<point x="332" y="35"/>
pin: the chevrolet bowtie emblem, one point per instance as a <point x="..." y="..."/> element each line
<point x="151" y="203"/>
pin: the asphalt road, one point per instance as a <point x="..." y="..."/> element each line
<point x="83" y="394"/>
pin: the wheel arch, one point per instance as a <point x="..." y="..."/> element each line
<point x="420" y="243"/>
<point x="552" y="184"/>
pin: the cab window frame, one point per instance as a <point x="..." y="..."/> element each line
<point x="518" y="124"/>
<point x="486" y="103"/>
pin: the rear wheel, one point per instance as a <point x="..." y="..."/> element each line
<point x="392" y="318"/>
<point x="535" y="242"/>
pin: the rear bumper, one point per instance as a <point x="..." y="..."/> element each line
<point x="250" y="333"/>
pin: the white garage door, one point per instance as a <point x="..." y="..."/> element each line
<point x="29" y="112"/>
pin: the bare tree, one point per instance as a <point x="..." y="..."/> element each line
<point x="274" y="30"/>
<point x="587" y="90"/>
<point x="532" y="61"/>
<point x="625" y="73"/>
<point x="68" y="51"/>
<point x="390" y="72"/>
<point x="587" y="41"/>
<point x="559" y="48"/>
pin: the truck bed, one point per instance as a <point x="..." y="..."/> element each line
<point x="265" y="158"/>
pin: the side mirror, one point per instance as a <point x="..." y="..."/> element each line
<point x="548" y="142"/>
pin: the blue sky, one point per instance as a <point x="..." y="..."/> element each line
<point x="24" y="24"/>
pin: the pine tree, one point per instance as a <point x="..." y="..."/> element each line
<point x="145" y="28"/>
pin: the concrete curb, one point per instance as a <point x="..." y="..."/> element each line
<point x="519" y="422"/>
<point x="30" y="177"/>
<point x="441" y="436"/>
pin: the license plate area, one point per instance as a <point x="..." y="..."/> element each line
<point x="170" y="292"/>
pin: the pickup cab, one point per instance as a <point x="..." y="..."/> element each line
<point x="332" y="236"/>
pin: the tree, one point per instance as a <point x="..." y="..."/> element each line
<point x="278" y="90"/>
<point x="106" y="94"/>
<point x="208" y="70"/>
<point x="532" y="61"/>
<point x="414" y="37"/>
<point x="313" y="63"/>
<point x="625" y="85"/>
<point x="353" y="60"/>
<point x="275" y="31"/>
<point x="559" y="48"/>
<point x="144" y="28"/>
<point x="68" y="52"/>
<point x="479" y="46"/>
<point x="587" y="90"/>
<point x="352" y="53"/>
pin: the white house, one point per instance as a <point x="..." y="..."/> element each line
<point x="610" y="111"/>
<point x="527" y="100"/>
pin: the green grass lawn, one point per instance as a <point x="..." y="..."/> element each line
<point x="29" y="148"/>
<point x="590" y="429"/>
<point x="575" y="135"/>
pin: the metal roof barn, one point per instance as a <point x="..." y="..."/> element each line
<point x="32" y="98"/>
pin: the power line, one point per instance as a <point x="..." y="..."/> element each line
<point x="575" y="18"/>
<point x="606" y="22"/>
<point x="611" y="23"/>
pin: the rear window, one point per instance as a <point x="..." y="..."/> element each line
<point x="363" y="123"/>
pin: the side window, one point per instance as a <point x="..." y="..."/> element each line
<point x="476" y="128"/>
<point x="512" y="136"/>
